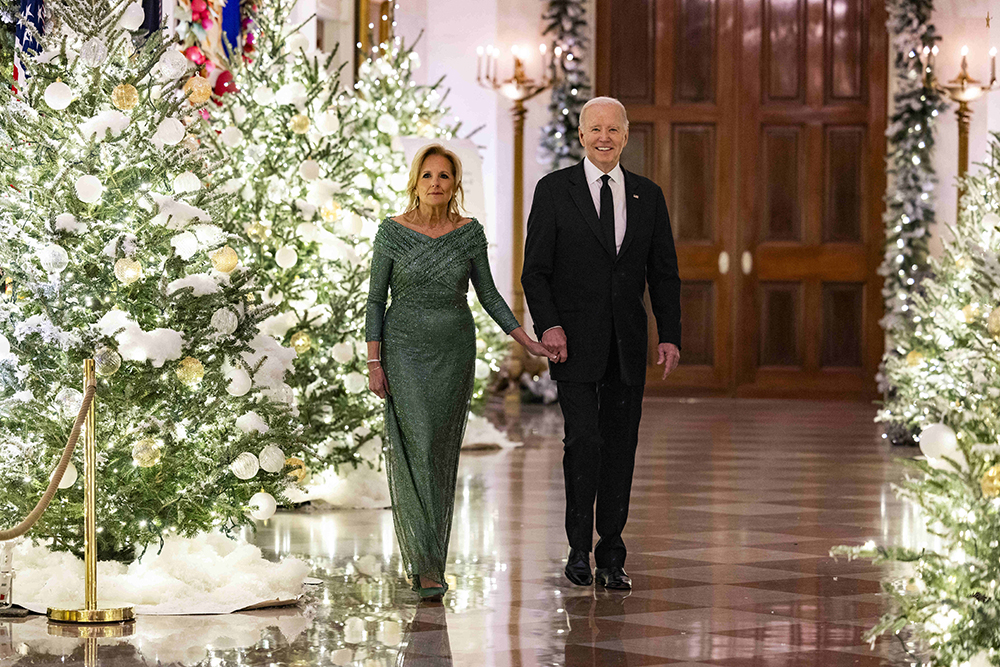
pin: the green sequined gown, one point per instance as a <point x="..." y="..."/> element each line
<point x="428" y="354"/>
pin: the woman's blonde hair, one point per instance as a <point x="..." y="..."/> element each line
<point x="457" y="202"/>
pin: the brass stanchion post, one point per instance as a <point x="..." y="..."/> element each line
<point x="91" y="612"/>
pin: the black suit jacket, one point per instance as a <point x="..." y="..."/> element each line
<point x="572" y="279"/>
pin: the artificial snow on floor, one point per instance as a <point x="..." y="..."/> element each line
<point x="207" y="574"/>
<point x="364" y="487"/>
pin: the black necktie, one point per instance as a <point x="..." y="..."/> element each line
<point x="608" y="214"/>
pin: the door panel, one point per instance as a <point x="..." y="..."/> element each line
<point x="763" y="122"/>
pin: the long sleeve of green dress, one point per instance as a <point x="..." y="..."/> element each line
<point x="428" y="354"/>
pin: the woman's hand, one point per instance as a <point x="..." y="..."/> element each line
<point x="539" y="350"/>
<point x="377" y="382"/>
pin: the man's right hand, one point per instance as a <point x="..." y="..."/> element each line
<point x="554" y="341"/>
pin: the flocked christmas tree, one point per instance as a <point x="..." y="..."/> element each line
<point x="948" y="390"/>
<point x="111" y="250"/>
<point x="282" y="155"/>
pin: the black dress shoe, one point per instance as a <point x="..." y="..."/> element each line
<point x="578" y="567"/>
<point x="613" y="578"/>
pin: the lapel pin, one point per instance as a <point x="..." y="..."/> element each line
<point x="636" y="196"/>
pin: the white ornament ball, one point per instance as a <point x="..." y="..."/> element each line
<point x="231" y="136"/>
<point x="398" y="182"/>
<point x="173" y="64"/>
<point x="185" y="245"/>
<point x="94" y="52"/>
<point x="133" y="17"/>
<point x="69" y="477"/>
<point x="387" y="124"/>
<point x="327" y="122"/>
<point x="262" y="505"/>
<point x="286" y="257"/>
<point x="245" y="466"/>
<point x="239" y="113"/>
<point x="292" y="93"/>
<point x="263" y="95"/>
<point x="990" y="220"/>
<point x="239" y="382"/>
<point x="186" y="182"/>
<point x="355" y="382"/>
<point x="58" y="95"/>
<point x="353" y="224"/>
<point x="309" y="170"/>
<point x="170" y="131"/>
<point x="54" y="258"/>
<point x="272" y="459"/>
<point x="482" y="369"/>
<point x="938" y="440"/>
<point x="296" y="42"/>
<point x="89" y="189"/>
<point x="981" y="659"/>
<point x="225" y="321"/>
<point x="342" y="353"/>
<point x="362" y="181"/>
<point x="4" y="346"/>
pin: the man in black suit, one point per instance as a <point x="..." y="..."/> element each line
<point x="596" y="235"/>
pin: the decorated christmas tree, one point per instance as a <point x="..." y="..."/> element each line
<point x="948" y="390"/>
<point x="112" y="250"/>
<point x="280" y="148"/>
<point x="566" y="27"/>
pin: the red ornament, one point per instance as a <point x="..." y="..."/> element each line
<point x="225" y="84"/>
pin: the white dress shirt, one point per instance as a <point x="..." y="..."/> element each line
<point x="617" y="184"/>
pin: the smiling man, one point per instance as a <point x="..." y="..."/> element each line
<point x="596" y="235"/>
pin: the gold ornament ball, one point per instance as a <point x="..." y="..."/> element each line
<point x="914" y="358"/>
<point x="299" y="124"/>
<point x="330" y="211"/>
<point x="198" y="90"/>
<point x="298" y="471"/>
<point x="224" y="259"/>
<point x="146" y="452"/>
<point x="127" y="270"/>
<point x="990" y="482"/>
<point x="125" y="96"/>
<point x="301" y="342"/>
<point x="970" y="313"/>
<point x="257" y="232"/>
<point x="993" y="322"/>
<point x="190" y="371"/>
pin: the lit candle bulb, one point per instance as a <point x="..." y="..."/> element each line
<point x="479" y="62"/>
<point x="993" y="65"/>
<point x="542" y="50"/>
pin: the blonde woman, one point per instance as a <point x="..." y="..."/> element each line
<point x="422" y="353"/>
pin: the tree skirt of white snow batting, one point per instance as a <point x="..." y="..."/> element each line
<point x="207" y="574"/>
<point x="366" y="487"/>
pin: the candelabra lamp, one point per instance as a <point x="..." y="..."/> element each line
<point x="519" y="88"/>
<point x="964" y="90"/>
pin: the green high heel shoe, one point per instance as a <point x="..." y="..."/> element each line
<point x="432" y="594"/>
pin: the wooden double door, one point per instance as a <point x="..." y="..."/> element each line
<point x="763" y="121"/>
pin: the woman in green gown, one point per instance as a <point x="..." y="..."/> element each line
<point x="422" y="353"/>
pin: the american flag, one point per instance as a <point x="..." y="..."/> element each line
<point x="31" y="13"/>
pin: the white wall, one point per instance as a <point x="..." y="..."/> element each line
<point x="963" y="23"/>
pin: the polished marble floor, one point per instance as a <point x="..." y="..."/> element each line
<point x="735" y="506"/>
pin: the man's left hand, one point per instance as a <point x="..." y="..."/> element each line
<point x="670" y="356"/>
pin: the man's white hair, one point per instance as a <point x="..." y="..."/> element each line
<point x="604" y="101"/>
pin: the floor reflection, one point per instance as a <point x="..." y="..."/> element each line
<point x="735" y="506"/>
